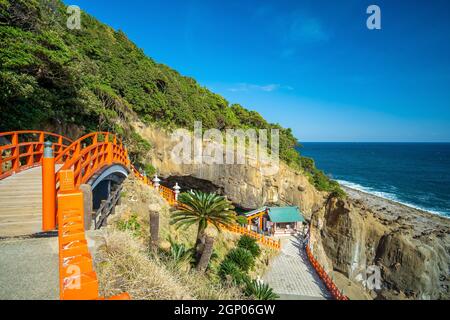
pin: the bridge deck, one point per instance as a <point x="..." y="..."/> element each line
<point x="21" y="203"/>
<point x="291" y="275"/>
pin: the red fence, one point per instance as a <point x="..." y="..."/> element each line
<point x="324" y="276"/>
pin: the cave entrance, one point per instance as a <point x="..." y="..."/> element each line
<point x="187" y="183"/>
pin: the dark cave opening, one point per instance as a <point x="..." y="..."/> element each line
<point x="187" y="183"/>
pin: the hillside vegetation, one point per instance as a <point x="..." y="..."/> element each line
<point x="77" y="81"/>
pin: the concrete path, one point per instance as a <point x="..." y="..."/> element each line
<point x="29" y="269"/>
<point x="292" y="277"/>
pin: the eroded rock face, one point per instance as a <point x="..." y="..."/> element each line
<point x="243" y="184"/>
<point x="410" y="247"/>
<point x="414" y="263"/>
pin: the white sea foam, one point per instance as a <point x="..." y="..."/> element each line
<point x="388" y="196"/>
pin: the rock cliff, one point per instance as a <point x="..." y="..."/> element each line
<point x="364" y="234"/>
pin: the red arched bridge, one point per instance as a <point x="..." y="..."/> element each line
<point x="50" y="182"/>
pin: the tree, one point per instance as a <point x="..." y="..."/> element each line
<point x="202" y="209"/>
<point x="206" y="255"/>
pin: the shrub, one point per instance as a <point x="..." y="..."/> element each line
<point x="249" y="243"/>
<point x="242" y="258"/>
<point x="228" y="270"/>
<point x="241" y="220"/>
<point x="259" y="291"/>
<point x="149" y="170"/>
<point x="180" y="254"/>
<point x="131" y="225"/>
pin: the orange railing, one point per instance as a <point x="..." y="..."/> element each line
<point x="90" y="153"/>
<point x="25" y="149"/>
<point x="324" y="276"/>
<point x="167" y="193"/>
<point x="274" y="244"/>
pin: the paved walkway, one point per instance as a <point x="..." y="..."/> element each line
<point x="292" y="277"/>
<point x="29" y="269"/>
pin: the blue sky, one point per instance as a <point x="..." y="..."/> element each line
<point x="309" y="65"/>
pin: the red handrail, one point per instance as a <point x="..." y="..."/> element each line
<point x="323" y="275"/>
<point x="26" y="149"/>
<point x="90" y="153"/>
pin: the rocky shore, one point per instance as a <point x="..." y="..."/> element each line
<point x="420" y="221"/>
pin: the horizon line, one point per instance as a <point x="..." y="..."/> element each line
<point x="430" y="142"/>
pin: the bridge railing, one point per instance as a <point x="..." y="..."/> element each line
<point x="25" y="149"/>
<point x="90" y="153"/>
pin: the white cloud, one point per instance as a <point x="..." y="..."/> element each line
<point x="240" y="87"/>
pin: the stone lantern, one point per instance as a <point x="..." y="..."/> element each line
<point x="176" y="189"/>
<point x="156" y="181"/>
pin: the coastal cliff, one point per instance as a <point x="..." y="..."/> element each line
<point x="411" y="248"/>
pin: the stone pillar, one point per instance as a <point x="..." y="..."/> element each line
<point x="86" y="189"/>
<point x="154" y="229"/>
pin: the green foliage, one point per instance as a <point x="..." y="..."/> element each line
<point x="132" y="225"/>
<point x="241" y="220"/>
<point x="250" y="244"/>
<point x="319" y="179"/>
<point x="97" y="79"/>
<point x="243" y="258"/>
<point x="149" y="170"/>
<point x="228" y="270"/>
<point x="203" y="209"/>
<point x="259" y="291"/>
<point x="179" y="253"/>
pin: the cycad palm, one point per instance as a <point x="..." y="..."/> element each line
<point x="203" y="209"/>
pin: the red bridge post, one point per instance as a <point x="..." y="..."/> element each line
<point x="48" y="189"/>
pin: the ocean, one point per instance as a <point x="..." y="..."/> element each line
<point x="414" y="174"/>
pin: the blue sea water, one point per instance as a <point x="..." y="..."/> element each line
<point x="415" y="174"/>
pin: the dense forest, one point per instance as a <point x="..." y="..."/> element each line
<point x="95" y="77"/>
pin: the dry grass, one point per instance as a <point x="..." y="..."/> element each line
<point x="126" y="266"/>
<point x="124" y="263"/>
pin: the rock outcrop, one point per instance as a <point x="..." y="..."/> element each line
<point x="244" y="184"/>
<point x="409" y="248"/>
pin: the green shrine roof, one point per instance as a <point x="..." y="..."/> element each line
<point x="285" y="214"/>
